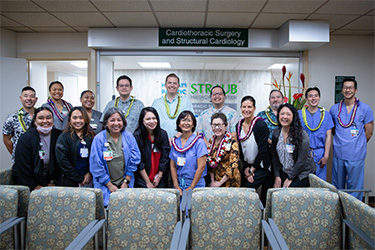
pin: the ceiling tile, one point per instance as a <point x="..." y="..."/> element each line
<point x="352" y="32"/>
<point x="6" y="22"/>
<point x="230" y="20"/>
<point x="19" y="6"/>
<point x="35" y="19"/>
<point x="20" y="29"/>
<point x="235" y="5"/>
<point x="192" y="5"/>
<point x="84" y="19"/>
<point x="277" y="6"/>
<point x="275" y="21"/>
<point x="61" y="6"/>
<point x="346" y="7"/>
<point x="180" y="19"/>
<point x="54" y="29"/>
<point x="371" y="13"/>
<point x="362" y="23"/>
<point x="131" y="19"/>
<point x="123" y="5"/>
<point x="81" y="29"/>
<point x="335" y="21"/>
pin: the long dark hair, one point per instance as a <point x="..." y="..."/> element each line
<point x="295" y="130"/>
<point x="36" y="112"/>
<point x="87" y="131"/>
<point x="144" y="131"/>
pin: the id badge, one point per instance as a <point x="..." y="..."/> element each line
<point x="289" y="148"/>
<point x="181" y="161"/>
<point x="94" y="125"/>
<point x="84" y="152"/>
<point x="42" y="153"/>
<point x="354" y="132"/>
<point x="108" y="155"/>
<point x="227" y="147"/>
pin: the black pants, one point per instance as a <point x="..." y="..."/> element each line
<point x="296" y="181"/>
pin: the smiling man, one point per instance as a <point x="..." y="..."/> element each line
<point x="217" y="96"/>
<point x="171" y="105"/>
<point x="318" y="124"/>
<point x="18" y="122"/>
<point x="354" y="124"/>
<point x="127" y="103"/>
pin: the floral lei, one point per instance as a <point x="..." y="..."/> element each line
<point x="220" y="150"/>
<point x="57" y="113"/>
<point x="132" y="98"/>
<point x="269" y="117"/>
<point x="250" y="128"/>
<point x="183" y="150"/>
<point x="177" y="108"/>
<point x="20" y="119"/>
<point x="351" y="117"/>
<point x="322" y="114"/>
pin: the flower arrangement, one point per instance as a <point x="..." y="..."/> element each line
<point x="298" y="100"/>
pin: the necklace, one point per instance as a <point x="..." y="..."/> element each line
<point x="269" y="117"/>
<point x="223" y="145"/>
<point x="177" y="108"/>
<point x="132" y="99"/>
<point x="53" y="106"/>
<point x="351" y="117"/>
<point x="183" y="150"/>
<point x="20" y="115"/>
<point x="322" y="114"/>
<point x="248" y="132"/>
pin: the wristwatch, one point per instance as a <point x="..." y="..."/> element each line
<point x="126" y="181"/>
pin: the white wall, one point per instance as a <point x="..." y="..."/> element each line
<point x="38" y="79"/>
<point x="347" y="56"/>
<point x="8" y="43"/>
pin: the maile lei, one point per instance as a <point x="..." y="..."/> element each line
<point x="269" y="117"/>
<point x="351" y="117"/>
<point x="250" y="128"/>
<point x="183" y="150"/>
<point x="223" y="145"/>
<point x="177" y="108"/>
<point x="53" y="106"/>
<point x="20" y="115"/>
<point x="132" y="98"/>
<point x="322" y="114"/>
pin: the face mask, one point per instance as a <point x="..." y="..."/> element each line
<point x="44" y="130"/>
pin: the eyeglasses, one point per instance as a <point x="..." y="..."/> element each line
<point x="218" y="93"/>
<point x="348" y="88"/>
<point x="217" y="125"/>
<point x="124" y="85"/>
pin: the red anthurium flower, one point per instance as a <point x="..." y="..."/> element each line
<point x="303" y="79"/>
<point x="283" y="70"/>
<point x="297" y="95"/>
<point x="285" y="99"/>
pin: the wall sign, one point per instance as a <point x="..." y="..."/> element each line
<point x="203" y="37"/>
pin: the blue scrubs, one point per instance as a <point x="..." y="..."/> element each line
<point x="350" y="147"/>
<point x="318" y="137"/>
<point x="186" y="172"/>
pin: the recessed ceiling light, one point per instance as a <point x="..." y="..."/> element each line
<point x="155" y="65"/>
<point x="276" y="66"/>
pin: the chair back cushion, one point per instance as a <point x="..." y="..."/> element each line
<point x="8" y="209"/>
<point x="23" y="198"/>
<point x="6" y="176"/>
<point x="225" y="218"/>
<point x="308" y="218"/>
<point x="316" y="182"/>
<point x="141" y="218"/>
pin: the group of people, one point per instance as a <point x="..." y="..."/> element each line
<point x="129" y="145"/>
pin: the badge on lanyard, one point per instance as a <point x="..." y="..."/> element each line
<point x="289" y="148"/>
<point x="84" y="152"/>
<point x="154" y="149"/>
<point x="42" y="153"/>
<point x="107" y="154"/>
<point x="93" y="125"/>
<point x="354" y="132"/>
<point x="181" y="160"/>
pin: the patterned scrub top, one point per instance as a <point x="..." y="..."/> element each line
<point x="228" y="165"/>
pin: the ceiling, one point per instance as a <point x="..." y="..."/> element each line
<point x="346" y="17"/>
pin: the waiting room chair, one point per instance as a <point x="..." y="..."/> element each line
<point x="6" y="176"/>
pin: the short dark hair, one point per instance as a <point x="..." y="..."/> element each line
<point x="276" y="90"/>
<point x="311" y="89"/>
<point x="109" y="113"/>
<point x="124" y="77"/>
<point x="349" y="80"/>
<point x="221" y="116"/>
<point x="36" y="112"/>
<point x="85" y="91"/>
<point x="248" y="98"/>
<point x="172" y="75"/>
<point x="217" y="86"/>
<point x="55" y="82"/>
<point x="182" y="116"/>
<point x="27" y="88"/>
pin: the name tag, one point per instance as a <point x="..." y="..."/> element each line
<point x="108" y="155"/>
<point x="42" y="153"/>
<point x="289" y="148"/>
<point x="181" y="161"/>
<point x="94" y="125"/>
<point x="227" y="147"/>
<point x="354" y="132"/>
<point x="84" y="152"/>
